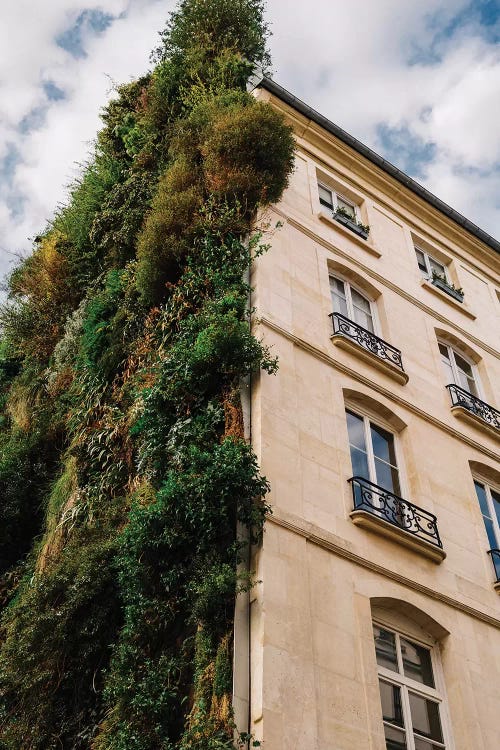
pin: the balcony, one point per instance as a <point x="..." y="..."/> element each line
<point x="470" y="408"/>
<point x="387" y="514"/>
<point x="354" y="338"/>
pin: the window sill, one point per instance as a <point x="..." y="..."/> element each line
<point x="448" y="298"/>
<point x="365" y="244"/>
<point x="382" y="365"/>
<point x="496" y="586"/>
<point x="366" y="520"/>
<point x="467" y="416"/>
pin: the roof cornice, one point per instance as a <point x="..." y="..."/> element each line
<point x="304" y="109"/>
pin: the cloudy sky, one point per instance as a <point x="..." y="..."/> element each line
<point x="418" y="81"/>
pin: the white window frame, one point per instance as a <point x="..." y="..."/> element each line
<point x="334" y="197"/>
<point x="436" y="694"/>
<point x="456" y="380"/>
<point x="348" y="285"/>
<point x="367" y="419"/>
<point x="427" y="258"/>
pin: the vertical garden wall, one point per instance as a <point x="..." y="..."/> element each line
<point x="123" y="468"/>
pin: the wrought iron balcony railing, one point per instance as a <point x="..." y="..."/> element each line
<point x="473" y="404"/>
<point x="342" y="326"/>
<point x="495" y="559"/>
<point x="386" y="505"/>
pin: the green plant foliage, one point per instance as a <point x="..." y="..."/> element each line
<point x="124" y="473"/>
<point x="201" y="30"/>
<point x="57" y="644"/>
<point x="25" y="470"/>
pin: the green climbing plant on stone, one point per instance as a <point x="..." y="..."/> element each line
<point x="124" y="471"/>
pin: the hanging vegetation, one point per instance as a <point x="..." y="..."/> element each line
<point x="123" y="466"/>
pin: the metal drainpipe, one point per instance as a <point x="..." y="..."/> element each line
<point x="241" y="657"/>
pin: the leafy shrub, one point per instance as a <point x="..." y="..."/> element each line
<point x="57" y="643"/>
<point x="41" y="290"/>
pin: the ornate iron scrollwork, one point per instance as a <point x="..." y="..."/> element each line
<point x="495" y="559"/>
<point x="461" y="397"/>
<point x="342" y="326"/>
<point x="396" y="511"/>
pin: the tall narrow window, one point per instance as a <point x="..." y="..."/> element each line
<point x="373" y="454"/>
<point x="411" y="704"/>
<point x="458" y="370"/>
<point x="489" y="503"/>
<point x="351" y="303"/>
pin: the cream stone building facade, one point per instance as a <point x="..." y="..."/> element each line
<point x="375" y="622"/>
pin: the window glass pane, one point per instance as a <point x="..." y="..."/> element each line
<point x="356" y="430"/>
<point x="346" y="206"/>
<point x="445" y="359"/>
<point x="490" y="530"/>
<point x="437" y="267"/>
<point x="325" y="197"/>
<point x="395" y="739"/>
<point x="495" y="496"/>
<point x="421" y="261"/>
<point x="425" y="717"/>
<point x="362" y="319"/>
<point x="383" y="444"/>
<point x="387" y="476"/>
<point x="424" y="745"/>
<point x="463" y="365"/>
<point x="361" y="302"/>
<point x="417" y="662"/>
<point x="489" y="525"/>
<point x="359" y="458"/>
<point x="359" y="461"/>
<point x="339" y="301"/>
<point x="362" y="310"/>
<point x="444" y="352"/>
<point x="385" y="648"/>
<point x="481" y="496"/>
<point x="390" y="695"/>
<point x="338" y="286"/>
<point x="465" y="374"/>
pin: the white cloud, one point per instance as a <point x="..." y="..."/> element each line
<point x="349" y="60"/>
<point x="29" y="57"/>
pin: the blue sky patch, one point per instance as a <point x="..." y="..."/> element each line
<point x="34" y="120"/>
<point x="14" y="201"/>
<point x="73" y="39"/>
<point x="53" y="92"/>
<point x="409" y="152"/>
<point x="8" y="164"/>
<point x="480" y="17"/>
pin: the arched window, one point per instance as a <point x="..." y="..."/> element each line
<point x="458" y="369"/>
<point x="487" y="488"/>
<point x="350" y="302"/>
<point x="411" y="688"/>
<point x="373" y="452"/>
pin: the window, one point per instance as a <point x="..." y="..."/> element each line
<point x="411" y="704"/>
<point x="429" y="266"/>
<point x="373" y="454"/>
<point x="333" y="201"/>
<point x="489" y="503"/>
<point x="458" y="370"/>
<point x="351" y="303"/>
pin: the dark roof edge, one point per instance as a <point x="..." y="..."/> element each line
<point x="368" y="153"/>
